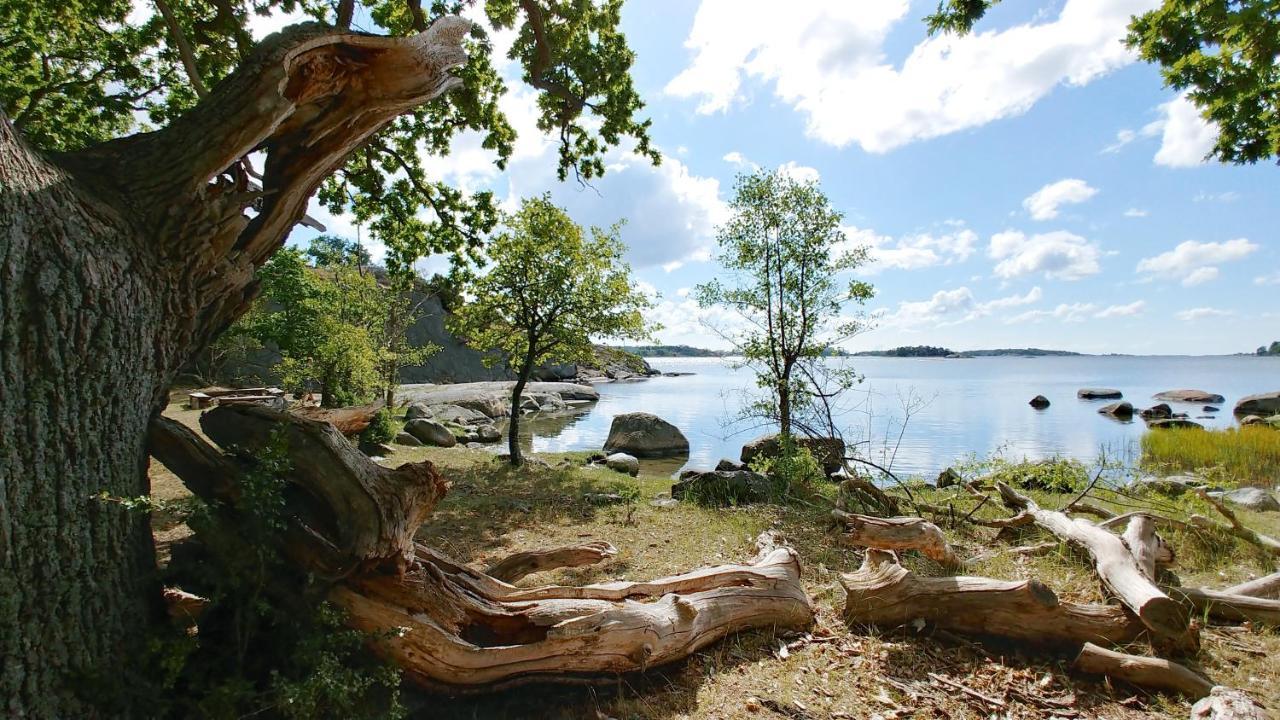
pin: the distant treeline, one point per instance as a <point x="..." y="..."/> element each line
<point x="671" y="351"/>
<point x="1274" y="349"/>
<point x="931" y="351"/>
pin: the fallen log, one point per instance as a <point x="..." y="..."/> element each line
<point x="514" y="567"/>
<point x="1222" y="605"/>
<point x="1145" y="672"/>
<point x="885" y="594"/>
<point x="1237" y="528"/>
<point x="1140" y="538"/>
<point x="449" y="626"/>
<point x="1267" y="586"/>
<point x="349" y="421"/>
<point x="1167" y="620"/>
<point x="897" y="533"/>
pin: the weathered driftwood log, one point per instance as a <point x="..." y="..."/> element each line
<point x="465" y="630"/>
<point x="885" y="594"/>
<point x="449" y="625"/>
<point x="1221" y="605"/>
<point x="1267" y="586"/>
<point x="1140" y="538"/>
<point x="1226" y="703"/>
<point x="1167" y="620"/>
<point x="349" y="421"/>
<point x="1145" y="672"/>
<point x="1237" y="528"/>
<point x="516" y="566"/>
<point x="897" y="533"/>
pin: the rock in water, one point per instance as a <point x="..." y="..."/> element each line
<point x="1156" y="412"/>
<point x="1252" y="498"/>
<point x="1121" y="410"/>
<point x="623" y="463"/>
<point x="1188" y="396"/>
<point x="1210" y="408"/>
<point x="1262" y="404"/>
<point x="1175" y="423"/>
<point x="1039" y="402"/>
<point x="828" y="451"/>
<point x="645" y="435"/>
<point x="431" y="432"/>
<point x="1099" y="394"/>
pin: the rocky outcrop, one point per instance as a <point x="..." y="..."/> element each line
<point x="1262" y="404"/>
<point x="1188" y="396"/>
<point x="431" y="432"/>
<point x="1170" y="485"/>
<point x="1120" y="410"/>
<point x="1156" y="412"/>
<point x="730" y="465"/>
<point x="722" y="487"/>
<point x="480" y="402"/>
<point x="1099" y="394"/>
<point x="828" y="451"/>
<point x="1039" y="402"/>
<point x="645" y="435"/>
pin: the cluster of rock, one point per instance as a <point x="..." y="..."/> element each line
<point x="734" y="482"/>
<point x="1249" y="498"/>
<point x="1263" y="408"/>
<point x="445" y="415"/>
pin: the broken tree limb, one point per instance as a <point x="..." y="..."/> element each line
<point x="1237" y="528"/>
<point x="885" y="594"/>
<point x="513" y="568"/>
<point x="449" y="626"/>
<point x="898" y="533"/>
<point x="1145" y="672"/>
<point x="1115" y="566"/>
<point x="350" y="421"/>
<point x="1222" y="605"/>
<point x="465" y="630"/>
<point x="1267" y="586"/>
<point x="1140" y="538"/>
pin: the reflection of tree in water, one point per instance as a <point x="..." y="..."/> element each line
<point x="546" y="424"/>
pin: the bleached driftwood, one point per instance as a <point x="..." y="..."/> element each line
<point x="1221" y="605"/>
<point x="1140" y="538"/>
<point x="1237" y="528"/>
<point x="1165" y="618"/>
<point x="885" y="594"/>
<point x="897" y="533"/>
<point x="1145" y="672"/>
<point x="518" y="565"/>
<point x="1267" y="586"/>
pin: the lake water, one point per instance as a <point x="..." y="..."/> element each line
<point x="976" y="405"/>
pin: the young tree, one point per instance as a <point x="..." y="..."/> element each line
<point x="549" y="291"/>
<point x="785" y="251"/>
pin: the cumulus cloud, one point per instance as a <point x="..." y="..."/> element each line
<point x="1272" y="279"/>
<point x="827" y="59"/>
<point x="1058" y="255"/>
<point x="1044" y="203"/>
<point x="1072" y="313"/>
<point x="913" y="252"/>
<point x="1194" y="263"/>
<point x="950" y="307"/>
<point x="1134" y="308"/>
<point x="1135" y="213"/>
<point x="1186" y="137"/>
<point x="1201" y="313"/>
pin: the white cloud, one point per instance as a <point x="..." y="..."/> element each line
<point x="1134" y="308"/>
<point x="826" y="58"/>
<point x="913" y="252"/>
<point x="1272" y="279"/>
<point x="1072" y="313"/>
<point x="1135" y="213"/>
<point x="950" y="307"/>
<point x="1201" y="313"/>
<point x="738" y="160"/>
<point x="1193" y="262"/>
<point x="1126" y="136"/>
<point x="799" y="173"/>
<point x="1059" y="255"/>
<point x="1222" y="197"/>
<point x="1043" y="204"/>
<point x="1186" y="137"/>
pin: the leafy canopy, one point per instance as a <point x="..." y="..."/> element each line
<point x="551" y="288"/>
<point x="787" y="260"/>
<point x="1225" y="54"/>
<point x="80" y="72"/>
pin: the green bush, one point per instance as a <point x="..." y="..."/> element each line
<point x="381" y="430"/>
<point x="792" y="469"/>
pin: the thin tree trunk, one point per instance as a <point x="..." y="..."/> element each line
<point x="784" y="407"/>
<point x="513" y="429"/>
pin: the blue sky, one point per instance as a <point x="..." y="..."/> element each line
<point x="1030" y="185"/>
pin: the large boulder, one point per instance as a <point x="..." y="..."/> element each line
<point x="1121" y="410"/>
<point x="1156" y="412"/>
<point x="1169" y="485"/>
<point x="723" y="487"/>
<point x="1099" y="394"/>
<point x="731" y="465"/>
<point x="1252" y="498"/>
<point x="488" y="434"/>
<point x="1188" y="396"/>
<point x="431" y="432"/>
<point x="418" y="410"/>
<point x="457" y="415"/>
<point x="623" y="463"/>
<point x="1262" y="404"/>
<point x="404" y="438"/>
<point x="1039" y="402"/>
<point x="828" y="451"/>
<point x="645" y="435"/>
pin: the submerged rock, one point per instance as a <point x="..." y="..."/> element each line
<point x="1121" y="410"/>
<point x="1156" y="412"/>
<point x="1188" y="396"/>
<point x="1175" y="423"/>
<point x="1099" y="394"/>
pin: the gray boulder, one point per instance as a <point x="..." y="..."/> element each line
<point x="1155" y="412"/>
<point x="1252" y="498"/>
<point x="947" y="478"/>
<point x="623" y="463"/>
<point x="1175" y="424"/>
<point x="1039" y="402"/>
<point x="1121" y="410"/>
<point x="1210" y="408"/>
<point x="1189" y="396"/>
<point x="457" y="415"/>
<point x="1170" y="485"/>
<point x="1099" y="394"/>
<point x="418" y="410"/>
<point x="645" y="435"/>
<point x="828" y="451"/>
<point x="488" y="434"/>
<point x="404" y="438"/>
<point x="1262" y="404"/>
<point x="1252" y="420"/>
<point x="723" y="487"/>
<point x="730" y="465"/>
<point x="431" y="432"/>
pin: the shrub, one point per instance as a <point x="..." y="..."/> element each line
<point x="382" y="429"/>
<point x="792" y="468"/>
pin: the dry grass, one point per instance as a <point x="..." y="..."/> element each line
<point x="1244" y="456"/>
<point x="833" y="671"/>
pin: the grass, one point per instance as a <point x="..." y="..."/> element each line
<point x="839" y="672"/>
<point x="1240" y="456"/>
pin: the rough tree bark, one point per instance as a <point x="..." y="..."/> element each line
<point x="118" y="264"/>
<point x="458" y="628"/>
<point x="896" y="533"/>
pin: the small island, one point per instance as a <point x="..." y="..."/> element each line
<point x="932" y="351"/>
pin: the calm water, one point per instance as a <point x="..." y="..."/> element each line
<point x="970" y="406"/>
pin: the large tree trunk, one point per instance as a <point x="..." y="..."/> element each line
<point x="118" y="264"/>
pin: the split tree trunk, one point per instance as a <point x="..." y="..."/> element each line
<point x="118" y="264"/>
<point x="896" y="533"/>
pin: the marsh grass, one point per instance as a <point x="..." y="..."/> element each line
<point x="1242" y="456"/>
